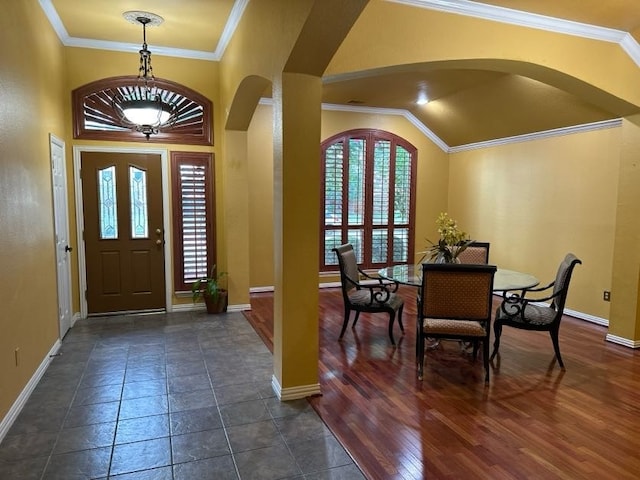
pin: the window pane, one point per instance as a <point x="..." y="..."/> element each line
<point x="138" y="201"/>
<point x="333" y="175"/>
<point x="381" y="175"/>
<point x="194" y="222"/>
<point x="401" y="245"/>
<point x="332" y="238"/>
<point x="402" y="204"/>
<point x="379" y="238"/>
<point x="108" y="208"/>
<point x="356" y="181"/>
<point x="354" y="237"/>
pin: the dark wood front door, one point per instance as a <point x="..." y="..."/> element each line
<point x="123" y="231"/>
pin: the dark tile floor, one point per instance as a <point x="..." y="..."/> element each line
<point x="182" y="396"/>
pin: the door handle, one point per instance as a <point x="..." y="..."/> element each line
<point x="158" y="242"/>
<point x="158" y="231"/>
<point x="67" y="248"/>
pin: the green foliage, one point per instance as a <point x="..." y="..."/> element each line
<point x="452" y="242"/>
<point x="209" y="286"/>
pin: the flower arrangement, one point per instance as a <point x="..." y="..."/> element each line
<point x="452" y="242"/>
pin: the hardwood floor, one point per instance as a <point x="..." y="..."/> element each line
<point x="534" y="421"/>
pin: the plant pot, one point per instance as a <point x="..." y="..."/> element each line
<point x="217" y="304"/>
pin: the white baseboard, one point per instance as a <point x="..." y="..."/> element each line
<point x="625" y="342"/>
<point x="193" y="307"/>
<point x="294" y="393"/>
<point x="18" y="405"/>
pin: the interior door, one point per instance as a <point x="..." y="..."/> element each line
<point x="123" y="234"/>
<point x="61" y="225"/>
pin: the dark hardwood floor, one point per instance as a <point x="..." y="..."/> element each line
<point x="534" y="421"/>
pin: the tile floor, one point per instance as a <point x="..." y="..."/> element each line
<point x="167" y="396"/>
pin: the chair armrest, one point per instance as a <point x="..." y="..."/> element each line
<point x="381" y="281"/>
<point x="380" y="292"/>
<point x="515" y="305"/>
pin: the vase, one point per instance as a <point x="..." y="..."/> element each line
<point x="445" y="257"/>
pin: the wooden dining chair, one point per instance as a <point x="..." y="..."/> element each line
<point x="527" y="310"/>
<point x="477" y="253"/>
<point x="455" y="302"/>
<point x="375" y="296"/>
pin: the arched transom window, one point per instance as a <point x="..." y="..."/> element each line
<point x="95" y="118"/>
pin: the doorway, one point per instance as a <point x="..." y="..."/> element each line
<point x="123" y="220"/>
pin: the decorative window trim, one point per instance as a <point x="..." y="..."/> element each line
<point x="192" y="127"/>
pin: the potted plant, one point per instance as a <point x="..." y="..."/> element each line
<point x="214" y="295"/>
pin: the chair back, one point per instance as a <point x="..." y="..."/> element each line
<point x="457" y="291"/>
<point x="476" y="253"/>
<point x="349" y="273"/>
<point x="561" y="284"/>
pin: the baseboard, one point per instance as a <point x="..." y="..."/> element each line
<point x="193" y="307"/>
<point x="625" y="342"/>
<point x="18" y="405"/>
<point x="294" y="393"/>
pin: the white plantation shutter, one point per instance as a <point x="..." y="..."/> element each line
<point x="193" y="215"/>
<point x="368" y="198"/>
<point x="194" y="222"/>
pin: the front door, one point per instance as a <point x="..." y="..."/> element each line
<point x="123" y="234"/>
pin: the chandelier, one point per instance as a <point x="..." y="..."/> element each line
<point x="140" y="106"/>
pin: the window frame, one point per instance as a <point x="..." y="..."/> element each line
<point x="370" y="136"/>
<point x="200" y="159"/>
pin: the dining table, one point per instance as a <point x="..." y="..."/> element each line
<point x="504" y="280"/>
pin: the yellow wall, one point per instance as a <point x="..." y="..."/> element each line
<point x="536" y="201"/>
<point x="432" y="175"/>
<point x="32" y="85"/>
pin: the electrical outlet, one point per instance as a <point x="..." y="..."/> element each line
<point x="606" y="296"/>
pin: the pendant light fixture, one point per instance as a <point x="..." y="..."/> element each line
<point x="140" y="106"/>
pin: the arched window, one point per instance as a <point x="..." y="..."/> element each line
<point x="368" y="198"/>
<point x="94" y="116"/>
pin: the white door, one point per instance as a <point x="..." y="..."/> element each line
<point x="61" y="226"/>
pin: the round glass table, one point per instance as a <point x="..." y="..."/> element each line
<point x="504" y="280"/>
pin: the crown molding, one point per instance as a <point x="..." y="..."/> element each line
<point x="232" y="23"/>
<point x="531" y="20"/>
<point x="527" y="137"/>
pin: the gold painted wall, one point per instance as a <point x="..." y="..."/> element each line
<point x="32" y="85"/>
<point x="432" y="175"/>
<point x="536" y="201"/>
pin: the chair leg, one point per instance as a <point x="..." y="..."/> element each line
<point x="497" y="331"/>
<point x="419" y="351"/>
<point x="556" y="347"/>
<point x="347" y="313"/>
<point x="355" y="320"/>
<point x="485" y="359"/>
<point x="400" y="318"/>
<point x="392" y="317"/>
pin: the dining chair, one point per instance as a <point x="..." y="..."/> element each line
<point x="375" y="296"/>
<point x="455" y="302"/>
<point x="477" y="253"/>
<point x="520" y="310"/>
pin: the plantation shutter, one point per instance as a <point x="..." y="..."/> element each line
<point x="193" y="213"/>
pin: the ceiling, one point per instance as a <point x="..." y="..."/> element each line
<point x="202" y="28"/>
